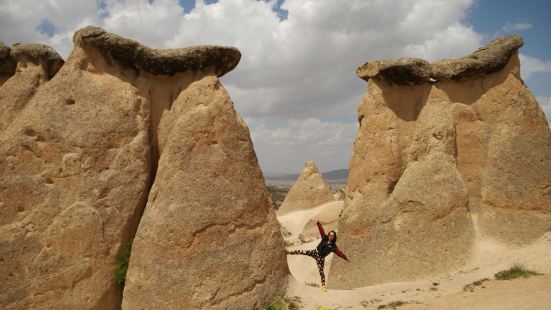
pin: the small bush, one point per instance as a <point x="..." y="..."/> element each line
<point x="470" y="287"/>
<point x="284" y="303"/>
<point x="515" y="272"/>
<point x="391" y="305"/>
<point x="122" y="267"/>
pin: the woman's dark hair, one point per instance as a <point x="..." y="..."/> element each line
<point x="335" y="234"/>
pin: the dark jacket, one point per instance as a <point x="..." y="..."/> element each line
<point x="325" y="247"/>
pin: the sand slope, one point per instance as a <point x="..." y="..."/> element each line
<point x="488" y="256"/>
<point x="530" y="293"/>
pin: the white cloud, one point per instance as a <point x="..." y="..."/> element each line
<point x="286" y="148"/>
<point x="545" y="103"/>
<point x="152" y="23"/>
<point x="292" y="70"/>
<point x="531" y="65"/>
<point x="512" y="27"/>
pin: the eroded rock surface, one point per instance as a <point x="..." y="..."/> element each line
<point x="309" y="190"/>
<point x="23" y="69"/>
<point x="447" y="153"/>
<point x="208" y="238"/>
<point x="77" y="165"/>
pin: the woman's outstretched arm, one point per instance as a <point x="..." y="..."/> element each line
<point x="322" y="232"/>
<point x="339" y="253"/>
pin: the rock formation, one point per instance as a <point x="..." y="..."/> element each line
<point x="328" y="216"/>
<point x="208" y="238"/>
<point x="309" y="190"/>
<point x="78" y="163"/>
<point x="447" y="152"/>
<point x="23" y="69"/>
<point x="340" y="194"/>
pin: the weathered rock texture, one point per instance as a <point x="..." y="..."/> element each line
<point x="208" y="238"/>
<point x="77" y="165"/>
<point x="447" y="152"/>
<point x="309" y="190"/>
<point x="23" y="69"/>
<point x="328" y="217"/>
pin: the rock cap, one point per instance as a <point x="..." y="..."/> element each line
<point x="410" y="71"/>
<point x="132" y="54"/>
<point x="35" y="53"/>
<point x="399" y="71"/>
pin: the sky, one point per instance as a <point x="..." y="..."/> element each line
<point x="296" y="85"/>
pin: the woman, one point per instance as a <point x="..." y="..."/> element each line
<point x="327" y="245"/>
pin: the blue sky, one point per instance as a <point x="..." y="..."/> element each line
<point x="489" y="16"/>
<point x="295" y="84"/>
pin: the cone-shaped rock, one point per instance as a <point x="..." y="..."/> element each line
<point x="77" y="165"/>
<point x="446" y="153"/>
<point x="74" y="168"/>
<point x="309" y="190"/>
<point x="208" y="238"/>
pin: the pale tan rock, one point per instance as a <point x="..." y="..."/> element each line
<point x="75" y="167"/>
<point x="208" y="238"/>
<point x="328" y="216"/>
<point x="23" y="69"/>
<point x="340" y="194"/>
<point x="441" y="163"/>
<point x="303" y="238"/>
<point x="309" y="190"/>
<point x="78" y="161"/>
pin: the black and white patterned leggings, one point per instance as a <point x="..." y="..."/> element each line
<point x="319" y="260"/>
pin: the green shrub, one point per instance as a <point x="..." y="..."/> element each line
<point x="284" y="303"/>
<point x="122" y="267"/>
<point x="515" y="272"/>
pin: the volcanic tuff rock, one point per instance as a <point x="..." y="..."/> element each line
<point x="208" y="238"/>
<point x="309" y="190"/>
<point x="23" y="69"/>
<point x="328" y="217"/>
<point x="447" y="153"/>
<point x="78" y="163"/>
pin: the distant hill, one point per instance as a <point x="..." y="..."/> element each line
<point x="328" y="176"/>
<point x="335" y="174"/>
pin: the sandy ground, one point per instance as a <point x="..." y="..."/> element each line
<point x="442" y="292"/>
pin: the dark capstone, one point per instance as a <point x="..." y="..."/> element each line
<point x="409" y="71"/>
<point x="132" y="54"/>
<point x="36" y="53"/>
